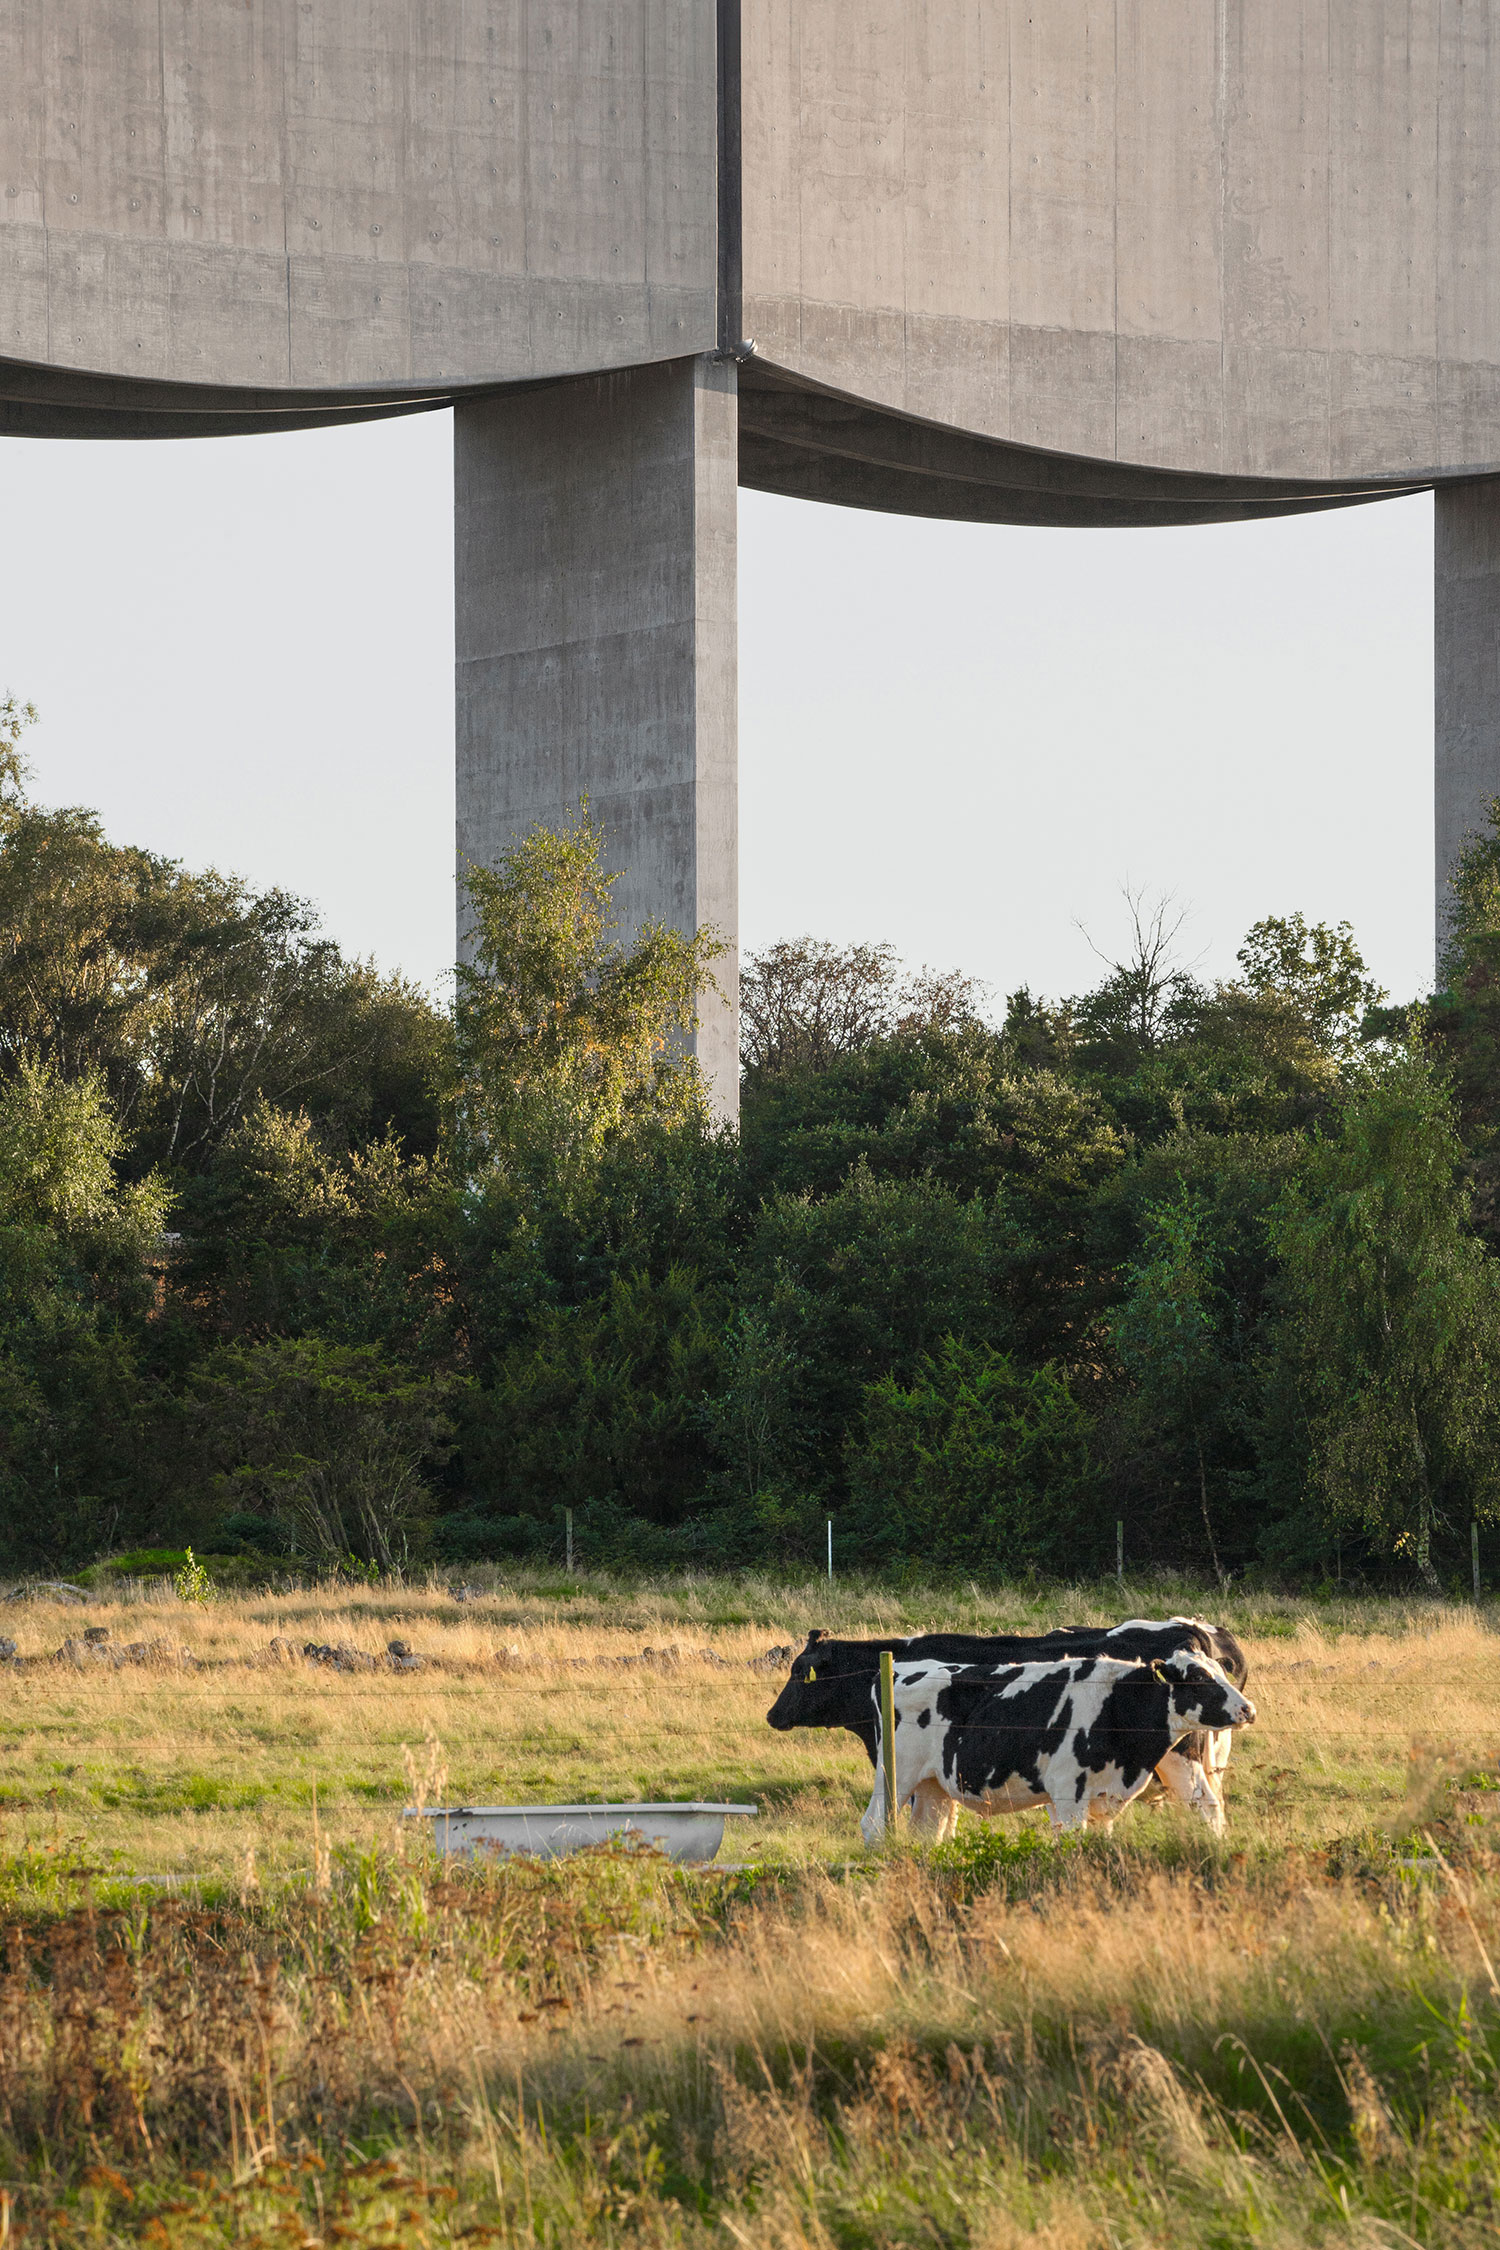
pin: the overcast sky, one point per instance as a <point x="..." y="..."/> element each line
<point x="961" y="739"/>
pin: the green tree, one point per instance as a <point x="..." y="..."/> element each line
<point x="1390" y="1318"/>
<point x="1471" y="945"/>
<point x="595" y="1402"/>
<point x="79" y="1270"/>
<point x="61" y="1149"/>
<point x="751" y="1420"/>
<point x="804" y="1003"/>
<point x="1461" y="1023"/>
<point x="1170" y="1336"/>
<point x="566" y="1039"/>
<point x="1147" y="999"/>
<point x="332" y="1441"/>
<point x="938" y="1103"/>
<point x="193" y="997"/>
<point x="1270" y="1048"/>
<point x="860" y="1284"/>
<point x="283" y="1233"/>
<point x="15" y="718"/>
<point x="1318" y="975"/>
<point x="976" y="1463"/>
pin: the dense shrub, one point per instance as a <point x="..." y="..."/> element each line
<point x="978" y="1462"/>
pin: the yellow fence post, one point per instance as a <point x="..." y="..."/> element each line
<point x="888" y="1734"/>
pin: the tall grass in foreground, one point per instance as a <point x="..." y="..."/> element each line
<point x="1002" y="2043"/>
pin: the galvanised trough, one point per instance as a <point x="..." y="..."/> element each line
<point x="690" y="1834"/>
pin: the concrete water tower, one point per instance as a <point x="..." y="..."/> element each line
<point x="1015" y="261"/>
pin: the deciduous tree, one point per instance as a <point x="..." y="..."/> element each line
<point x="1391" y="1317"/>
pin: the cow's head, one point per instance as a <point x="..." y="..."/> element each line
<point x="818" y="1693"/>
<point x="1201" y="1694"/>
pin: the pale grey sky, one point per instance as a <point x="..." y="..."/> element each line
<point x="958" y="738"/>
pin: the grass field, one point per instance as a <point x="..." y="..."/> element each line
<point x="315" y="2034"/>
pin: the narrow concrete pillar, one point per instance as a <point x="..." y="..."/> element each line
<point x="1466" y="569"/>
<point x="596" y="643"/>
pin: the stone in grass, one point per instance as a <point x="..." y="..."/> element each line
<point x="7" y="1651"/>
<point x="161" y="1654"/>
<point x="338" y="1656"/>
<point x="773" y="1660"/>
<point x="402" y="1657"/>
<point x="95" y="1648"/>
<point x="79" y="1653"/>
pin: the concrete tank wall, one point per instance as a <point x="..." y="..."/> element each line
<point x="1254" y="238"/>
<point x="1236" y="238"/>
<point x="1033" y="261"/>
<point x="333" y="194"/>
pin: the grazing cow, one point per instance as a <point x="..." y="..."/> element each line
<point x="1082" y="1736"/>
<point x="830" y="1682"/>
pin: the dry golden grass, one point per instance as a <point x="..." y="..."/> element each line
<point x="1122" y="2056"/>
<point x="184" y="1771"/>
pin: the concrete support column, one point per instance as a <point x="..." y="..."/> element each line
<point x="597" y="640"/>
<point x="1467" y="653"/>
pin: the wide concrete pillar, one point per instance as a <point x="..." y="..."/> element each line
<point x="596" y="643"/>
<point x="1466" y="557"/>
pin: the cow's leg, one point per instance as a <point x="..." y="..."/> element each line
<point x="1068" y="1816"/>
<point x="872" y="1824"/>
<point x="872" y="1820"/>
<point x="1220" y="1744"/>
<point x="1188" y="1781"/>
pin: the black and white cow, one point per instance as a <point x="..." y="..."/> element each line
<point x="1082" y="1736"/>
<point x="830" y="1684"/>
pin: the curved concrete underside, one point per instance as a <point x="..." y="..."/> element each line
<point x="814" y="446"/>
<point x="793" y="439"/>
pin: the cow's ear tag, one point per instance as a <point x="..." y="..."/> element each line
<point x="812" y="1671"/>
<point x="1158" y="1674"/>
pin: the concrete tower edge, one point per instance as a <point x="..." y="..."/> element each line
<point x="596" y="646"/>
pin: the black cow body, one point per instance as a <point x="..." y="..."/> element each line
<point x="831" y="1680"/>
<point x="1082" y="1736"/>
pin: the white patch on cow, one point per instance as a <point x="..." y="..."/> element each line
<point x="1075" y="1790"/>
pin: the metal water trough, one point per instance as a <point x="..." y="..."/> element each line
<point x="690" y="1834"/>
